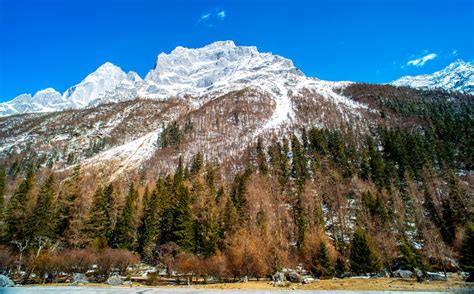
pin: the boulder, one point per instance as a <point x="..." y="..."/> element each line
<point x="6" y="282"/>
<point x="470" y="278"/>
<point x="79" y="279"/>
<point x="436" y="276"/>
<point x="114" y="281"/>
<point x="294" y="277"/>
<point x="404" y="274"/>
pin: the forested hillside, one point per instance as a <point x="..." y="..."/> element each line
<point x="335" y="202"/>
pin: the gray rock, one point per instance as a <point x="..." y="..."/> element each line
<point x="436" y="276"/>
<point x="6" y="282"/>
<point x="114" y="281"/>
<point x="294" y="277"/>
<point x="404" y="274"/>
<point x="79" y="279"/>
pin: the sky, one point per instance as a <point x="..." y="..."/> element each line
<point x="57" y="43"/>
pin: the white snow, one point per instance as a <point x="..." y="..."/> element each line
<point x="458" y="76"/>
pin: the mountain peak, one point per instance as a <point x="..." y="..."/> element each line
<point x="457" y="76"/>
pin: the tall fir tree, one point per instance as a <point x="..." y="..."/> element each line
<point x="261" y="158"/>
<point x="325" y="264"/>
<point x="16" y="214"/>
<point x="74" y="211"/>
<point x="100" y="224"/>
<point x="206" y="228"/>
<point x="183" y="228"/>
<point x="299" y="169"/>
<point x="3" y="188"/>
<point x="363" y="257"/>
<point x="197" y="163"/>
<point x="42" y="224"/>
<point x="125" y="231"/>
<point x="150" y="226"/>
<point x="467" y="249"/>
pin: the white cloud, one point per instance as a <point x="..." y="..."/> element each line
<point x="209" y="18"/>
<point x="221" y="14"/>
<point x="422" y="60"/>
<point x="205" y="16"/>
<point x="454" y="52"/>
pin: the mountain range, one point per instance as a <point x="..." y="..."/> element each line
<point x="113" y="122"/>
<point x="217" y="68"/>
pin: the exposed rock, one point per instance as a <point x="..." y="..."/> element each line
<point x="6" y="282"/>
<point x="404" y="274"/>
<point x="79" y="279"/>
<point x="114" y="281"/>
<point x="294" y="277"/>
<point x="436" y="276"/>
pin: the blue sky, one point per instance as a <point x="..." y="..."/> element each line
<point x="56" y="43"/>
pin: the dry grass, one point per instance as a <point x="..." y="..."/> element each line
<point x="352" y="284"/>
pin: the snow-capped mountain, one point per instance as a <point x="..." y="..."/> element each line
<point x="228" y="91"/>
<point x="93" y="87"/>
<point x="458" y="76"/>
<point x="42" y="101"/>
<point x="230" y="94"/>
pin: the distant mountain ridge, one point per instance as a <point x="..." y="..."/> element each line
<point x="217" y="68"/>
<point x="458" y="76"/>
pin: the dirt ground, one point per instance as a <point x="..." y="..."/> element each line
<point x="356" y="284"/>
<point x="381" y="284"/>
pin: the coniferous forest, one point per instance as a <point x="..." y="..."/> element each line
<point x="336" y="203"/>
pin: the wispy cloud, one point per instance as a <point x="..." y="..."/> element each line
<point x="210" y="17"/>
<point x="221" y="14"/>
<point x="454" y="52"/>
<point x="205" y="16"/>
<point x="421" y="61"/>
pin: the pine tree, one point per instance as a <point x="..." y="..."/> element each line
<point x="325" y="268"/>
<point x="409" y="258"/>
<point x="16" y="215"/>
<point x="150" y="226"/>
<point x="196" y="164"/>
<point x="3" y="187"/>
<point x="206" y="224"/>
<point x="228" y="218"/>
<point x="184" y="229"/>
<point x="300" y="220"/>
<point x="100" y="221"/>
<point x="42" y="223"/>
<point x="73" y="210"/>
<point x="299" y="170"/>
<point x="125" y="232"/>
<point x="363" y="257"/>
<point x="261" y="158"/>
<point x="467" y="249"/>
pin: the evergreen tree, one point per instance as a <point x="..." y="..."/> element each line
<point x="125" y="232"/>
<point x="73" y="210"/>
<point x="197" y="163"/>
<point x="467" y="249"/>
<point x="229" y="218"/>
<point x="183" y="228"/>
<point x="150" y="226"/>
<point x="16" y="214"/>
<point x="261" y="158"/>
<point x="300" y="220"/>
<point x="409" y="258"/>
<point x="3" y="187"/>
<point x="299" y="170"/>
<point x="363" y="257"/>
<point x="325" y="265"/>
<point x="100" y="221"/>
<point x="206" y="229"/>
<point x="42" y="223"/>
